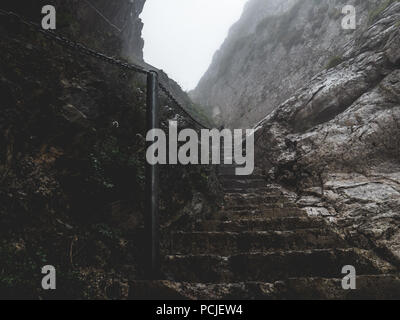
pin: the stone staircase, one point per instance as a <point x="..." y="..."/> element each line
<point x="261" y="246"/>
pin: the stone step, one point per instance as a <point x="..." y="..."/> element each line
<point x="228" y="243"/>
<point x="272" y="266"/>
<point x="274" y="212"/>
<point x="254" y="200"/>
<point x="242" y="184"/>
<point x="257" y="196"/>
<point x="266" y="192"/>
<point x="230" y="177"/>
<point x="261" y="224"/>
<point x="369" y="287"/>
<point x="245" y="190"/>
<point x="170" y="290"/>
<point x="255" y="207"/>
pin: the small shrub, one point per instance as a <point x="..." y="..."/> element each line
<point x="333" y="62"/>
<point x="374" y="14"/>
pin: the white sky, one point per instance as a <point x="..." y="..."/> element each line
<point x="181" y="36"/>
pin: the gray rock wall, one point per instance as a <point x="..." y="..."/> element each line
<point x="112" y="26"/>
<point x="336" y="141"/>
<point x="275" y="48"/>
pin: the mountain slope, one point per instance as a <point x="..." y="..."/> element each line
<point x="274" y="49"/>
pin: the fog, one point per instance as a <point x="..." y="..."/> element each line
<point x="181" y="36"/>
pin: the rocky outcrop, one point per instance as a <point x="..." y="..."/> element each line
<point x="336" y="141"/>
<point x="275" y="48"/>
<point x="113" y="27"/>
<point x="72" y="158"/>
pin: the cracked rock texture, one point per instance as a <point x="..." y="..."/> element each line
<point x="72" y="165"/>
<point x="336" y="141"/>
<point x="113" y="27"/>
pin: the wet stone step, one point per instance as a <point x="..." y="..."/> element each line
<point x="254" y="198"/>
<point x="226" y="243"/>
<point x="272" y="266"/>
<point x="229" y="177"/>
<point x="262" y="191"/>
<point x="239" y="183"/>
<point x="171" y="290"/>
<point x="243" y="183"/>
<point x="258" y="196"/>
<point x="274" y="212"/>
<point x="245" y="190"/>
<point x="254" y="206"/>
<point x="261" y="224"/>
<point x="369" y="287"/>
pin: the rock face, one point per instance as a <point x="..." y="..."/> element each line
<point x="113" y="27"/>
<point x="70" y="145"/>
<point x="115" y="20"/>
<point x="72" y="158"/>
<point x="274" y="49"/>
<point x="336" y="141"/>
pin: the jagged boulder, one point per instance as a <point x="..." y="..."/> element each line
<point x="337" y="139"/>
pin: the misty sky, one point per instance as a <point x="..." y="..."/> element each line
<point x="181" y="36"/>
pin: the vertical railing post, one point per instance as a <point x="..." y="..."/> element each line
<point x="152" y="185"/>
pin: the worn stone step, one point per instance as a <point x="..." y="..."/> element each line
<point x="251" y="198"/>
<point x="259" y="207"/>
<point x="245" y="190"/>
<point x="260" y="224"/>
<point x="171" y="290"/>
<point x="228" y="243"/>
<point x="272" y="266"/>
<point x="273" y="212"/>
<point x="254" y="200"/>
<point x="244" y="185"/>
<point x="241" y="179"/>
<point x="255" y="207"/>
<point x="368" y="287"/>
<point x="230" y="177"/>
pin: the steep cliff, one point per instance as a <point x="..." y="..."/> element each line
<point x="336" y="140"/>
<point x="274" y="49"/>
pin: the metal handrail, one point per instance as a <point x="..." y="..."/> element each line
<point x="152" y="122"/>
<point x="152" y="185"/>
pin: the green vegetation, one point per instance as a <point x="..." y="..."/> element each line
<point x="374" y="14"/>
<point x="200" y="114"/>
<point x="335" y="13"/>
<point x="333" y="62"/>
